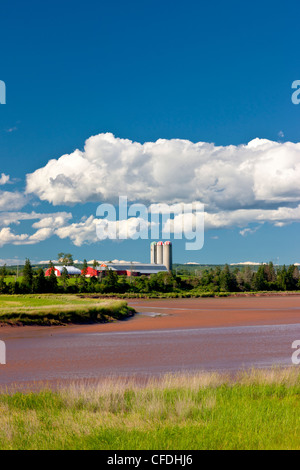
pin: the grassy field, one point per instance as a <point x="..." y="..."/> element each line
<point x="259" y="410"/>
<point x="51" y="309"/>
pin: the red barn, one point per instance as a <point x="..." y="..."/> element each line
<point x="72" y="271"/>
<point x="90" y="272"/>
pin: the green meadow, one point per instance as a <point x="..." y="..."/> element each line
<point x="257" y="410"/>
<point x="51" y="309"/>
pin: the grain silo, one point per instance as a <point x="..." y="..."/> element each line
<point x="159" y="253"/>
<point x="153" y="253"/>
<point x="167" y="255"/>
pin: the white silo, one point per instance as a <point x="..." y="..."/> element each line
<point x="153" y="248"/>
<point x="167" y="255"/>
<point x="159" y="253"/>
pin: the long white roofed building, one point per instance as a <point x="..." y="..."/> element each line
<point x="72" y="271"/>
<point x="133" y="269"/>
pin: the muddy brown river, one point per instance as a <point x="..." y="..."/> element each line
<point x="165" y="336"/>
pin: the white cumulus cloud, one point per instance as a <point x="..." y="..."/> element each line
<point x="4" y="179"/>
<point x="10" y="201"/>
<point x="222" y="177"/>
<point x="46" y="227"/>
<point x="239" y="185"/>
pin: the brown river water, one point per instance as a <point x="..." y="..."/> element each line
<point x="166" y="336"/>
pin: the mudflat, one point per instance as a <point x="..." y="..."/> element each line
<point x="177" y="335"/>
<point x="206" y="313"/>
<point x="190" y="313"/>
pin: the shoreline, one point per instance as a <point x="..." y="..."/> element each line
<point x="164" y="336"/>
<point x="209" y="312"/>
<point x="6" y="324"/>
<point x="187" y="295"/>
<point x="44" y="311"/>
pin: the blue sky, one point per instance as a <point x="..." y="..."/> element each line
<point x="196" y="71"/>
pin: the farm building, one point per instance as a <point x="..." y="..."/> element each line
<point x="72" y="271"/>
<point x="161" y="261"/>
<point x="90" y="272"/>
<point x="127" y="269"/>
<point x="134" y="269"/>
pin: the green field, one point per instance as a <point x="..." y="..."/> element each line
<point x="51" y="309"/>
<point x="260" y="410"/>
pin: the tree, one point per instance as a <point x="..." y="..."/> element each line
<point x="270" y="274"/>
<point x="260" y="281"/>
<point x="110" y="282"/>
<point x="39" y="283"/>
<point x="282" y="278"/>
<point x="85" y="267"/>
<point x="66" y="259"/>
<point x="52" y="279"/>
<point x="64" y="277"/>
<point x="27" y="276"/>
<point x="82" y="283"/>
<point x="292" y="277"/>
<point x="3" y="274"/>
<point x="227" y="280"/>
<point x="95" y="264"/>
<point x="248" y="277"/>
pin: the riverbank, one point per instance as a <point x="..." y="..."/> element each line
<point x="189" y="295"/>
<point x="256" y="410"/>
<point x="239" y="311"/>
<point x="60" y="309"/>
<point x="164" y="336"/>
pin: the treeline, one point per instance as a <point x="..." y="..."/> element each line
<point x="216" y="280"/>
<point x="266" y="278"/>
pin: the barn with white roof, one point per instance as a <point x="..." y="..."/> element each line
<point x="72" y="271"/>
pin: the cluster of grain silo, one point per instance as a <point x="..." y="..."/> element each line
<point x="161" y="253"/>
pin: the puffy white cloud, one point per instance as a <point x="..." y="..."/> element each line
<point x="92" y="230"/>
<point x="4" y="179"/>
<point x="12" y="262"/>
<point x="239" y="185"/>
<point x="79" y="233"/>
<point x="249" y="231"/>
<point x="7" y="237"/>
<point x="52" y="221"/>
<point x="242" y="217"/>
<point x="45" y="220"/>
<point x="86" y="230"/>
<point x="10" y="201"/>
<point x="235" y="218"/>
<point x="46" y="227"/>
<point x="222" y="177"/>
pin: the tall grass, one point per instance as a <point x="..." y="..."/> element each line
<point x="257" y="410"/>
